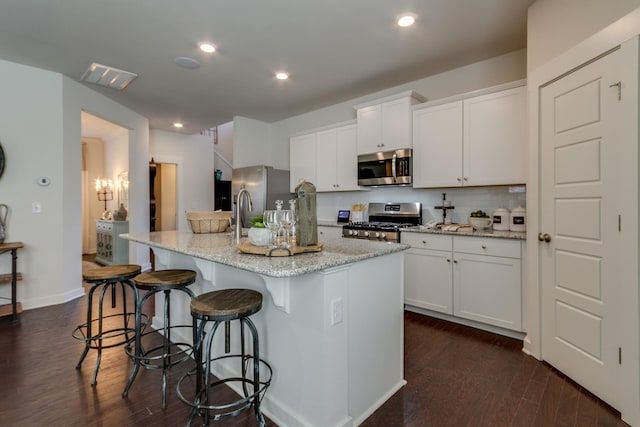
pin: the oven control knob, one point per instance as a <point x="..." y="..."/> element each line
<point x="365" y="234"/>
<point x="383" y="235"/>
<point x="352" y="232"/>
<point x="377" y="234"/>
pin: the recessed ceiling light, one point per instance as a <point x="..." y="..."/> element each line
<point x="178" y="125"/>
<point x="406" y="20"/>
<point x="207" y="47"/>
<point x="282" y="76"/>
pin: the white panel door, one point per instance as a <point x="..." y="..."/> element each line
<point x="581" y="268"/>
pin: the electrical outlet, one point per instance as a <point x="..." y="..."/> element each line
<point x="336" y="311"/>
<point x="36" y="208"/>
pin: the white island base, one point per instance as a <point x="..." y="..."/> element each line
<point x="334" y="337"/>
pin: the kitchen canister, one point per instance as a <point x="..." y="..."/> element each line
<point x="501" y="220"/>
<point x="518" y="219"/>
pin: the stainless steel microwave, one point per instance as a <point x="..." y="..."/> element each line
<point x="385" y="168"/>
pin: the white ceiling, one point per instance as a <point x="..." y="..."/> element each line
<point x="334" y="50"/>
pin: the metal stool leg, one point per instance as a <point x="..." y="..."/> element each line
<point x="87" y="343"/>
<point x="137" y="341"/>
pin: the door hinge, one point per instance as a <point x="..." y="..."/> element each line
<point x="620" y="355"/>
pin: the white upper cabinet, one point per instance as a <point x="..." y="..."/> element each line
<point x="476" y="141"/>
<point x="302" y="159"/>
<point x="327" y="158"/>
<point x="494" y="138"/>
<point x="336" y="159"/>
<point x="386" y="124"/>
<point x="437" y="146"/>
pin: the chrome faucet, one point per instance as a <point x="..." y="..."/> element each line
<point x="242" y="195"/>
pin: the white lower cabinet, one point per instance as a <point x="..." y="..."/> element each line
<point x="428" y="272"/>
<point x="468" y="277"/>
<point x="328" y="232"/>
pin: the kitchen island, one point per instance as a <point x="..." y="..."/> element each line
<point x="331" y="325"/>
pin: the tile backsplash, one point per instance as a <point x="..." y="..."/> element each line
<point x="465" y="200"/>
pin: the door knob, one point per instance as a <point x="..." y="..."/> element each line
<point x="544" y="237"/>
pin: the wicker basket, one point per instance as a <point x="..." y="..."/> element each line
<point x="209" y="221"/>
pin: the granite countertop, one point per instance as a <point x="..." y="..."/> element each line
<point x="221" y="248"/>
<point x="517" y="235"/>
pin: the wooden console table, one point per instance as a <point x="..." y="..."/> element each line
<point x="14" y="308"/>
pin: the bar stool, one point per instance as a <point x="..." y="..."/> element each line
<point x="168" y="353"/>
<point x="112" y="335"/>
<point x="222" y="307"/>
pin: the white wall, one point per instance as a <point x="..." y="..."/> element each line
<point x="116" y="159"/>
<point x="253" y="145"/>
<point x="554" y="26"/>
<point x="40" y="122"/>
<point x="193" y="155"/>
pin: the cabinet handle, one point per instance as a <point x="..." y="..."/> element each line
<point x="465" y="179"/>
<point x="455" y="261"/>
<point x="424" y="242"/>
<point x="448" y="260"/>
<point x="459" y="179"/>
<point x="484" y="246"/>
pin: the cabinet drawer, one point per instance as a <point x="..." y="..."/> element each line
<point x="487" y="246"/>
<point x="104" y="227"/>
<point x="437" y="242"/>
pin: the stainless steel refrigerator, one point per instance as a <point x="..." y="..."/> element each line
<point x="265" y="185"/>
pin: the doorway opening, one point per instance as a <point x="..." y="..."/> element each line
<point x="105" y="157"/>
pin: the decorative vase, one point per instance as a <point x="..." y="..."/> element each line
<point x="4" y="210"/>
<point x="121" y="214"/>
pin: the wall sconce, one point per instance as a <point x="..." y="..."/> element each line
<point x="104" y="188"/>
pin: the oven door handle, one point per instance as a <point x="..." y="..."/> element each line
<point x="394" y="160"/>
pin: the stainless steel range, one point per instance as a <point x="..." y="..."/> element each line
<point x="385" y="221"/>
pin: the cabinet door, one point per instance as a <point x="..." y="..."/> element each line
<point x="437" y="146"/>
<point x="302" y="159"/>
<point x="488" y="289"/>
<point x="346" y="160"/>
<point x="428" y="280"/>
<point x="396" y="125"/>
<point x="329" y="232"/>
<point x="495" y="138"/>
<point x="369" y="129"/>
<point x="326" y="152"/>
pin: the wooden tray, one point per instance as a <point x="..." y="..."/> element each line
<point x="249" y="248"/>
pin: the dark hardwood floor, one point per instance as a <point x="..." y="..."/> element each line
<point x="456" y="376"/>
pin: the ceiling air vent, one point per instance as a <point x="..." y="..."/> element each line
<point x="108" y="76"/>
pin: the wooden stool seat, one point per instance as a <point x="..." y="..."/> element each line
<point x="156" y="279"/>
<point x="111" y="272"/>
<point x="227" y="304"/>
